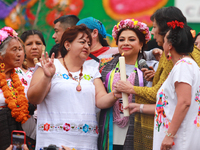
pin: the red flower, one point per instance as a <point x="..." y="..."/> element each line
<point x="66" y="127"/>
<point x="46" y="127"/>
<point x="24" y="81"/>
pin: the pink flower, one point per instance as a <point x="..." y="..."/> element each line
<point x="10" y="31"/>
<point x="3" y="35"/>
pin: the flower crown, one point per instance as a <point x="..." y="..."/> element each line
<point x="5" y="32"/>
<point x="174" y="24"/>
<point x="131" y="23"/>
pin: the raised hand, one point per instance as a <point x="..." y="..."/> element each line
<point x="148" y="74"/>
<point x="48" y="65"/>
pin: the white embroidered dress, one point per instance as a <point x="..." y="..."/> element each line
<point x="68" y="117"/>
<point x="187" y="71"/>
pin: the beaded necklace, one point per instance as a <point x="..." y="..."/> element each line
<point x="78" y="88"/>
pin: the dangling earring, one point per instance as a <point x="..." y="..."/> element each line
<point x="24" y="65"/>
<point x="2" y="67"/>
<point x="169" y="56"/>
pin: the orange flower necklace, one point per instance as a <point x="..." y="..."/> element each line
<point x="15" y="97"/>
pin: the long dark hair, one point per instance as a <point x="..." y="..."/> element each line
<point x="181" y="39"/>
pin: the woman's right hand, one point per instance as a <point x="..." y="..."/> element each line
<point x="148" y="74"/>
<point x="48" y="65"/>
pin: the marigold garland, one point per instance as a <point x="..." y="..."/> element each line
<point x="15" y="97"/>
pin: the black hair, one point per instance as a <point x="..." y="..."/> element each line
<point x="141" y="38"/>
<point x="55" y="50"/>
<point x="181" y="39"/>
<point x="167" y="14"/>
<point x="67" y="20"/>
<point x="27" y="33"/>
<point x="101" y="39"/>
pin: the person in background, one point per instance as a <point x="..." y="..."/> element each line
<point x="55" y="50"/>
<point x="14" y="107"/>
<point x="61" y="24"/>
<point x="116" y="131"/>
<point x="197" y="41"/>
<point x="34" y="45"/>
<point x="67" y="93"/>
<point x="147" y="95"/>
<point x="100" y="48"/>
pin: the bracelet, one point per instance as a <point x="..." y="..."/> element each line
<point x="170" y="135"/>
<point x="141" y="108"/>
<point x="114" y="94"/>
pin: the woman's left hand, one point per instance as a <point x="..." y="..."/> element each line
<point x="167" y="143"/>
<point x="124" y="86"/>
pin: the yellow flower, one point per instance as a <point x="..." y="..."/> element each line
<point x="118" y="24"/>
<point x="135" y="22"/>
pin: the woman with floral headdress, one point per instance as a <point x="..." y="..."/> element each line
<point x="14" y="105"/>
<point x="116" y="131"/>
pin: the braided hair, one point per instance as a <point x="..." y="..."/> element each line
<point x="180" y="37"/>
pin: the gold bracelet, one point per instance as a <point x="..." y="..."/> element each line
<point x="113" y="92"/>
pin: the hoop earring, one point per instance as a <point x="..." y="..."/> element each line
<point x="169" y="56"/>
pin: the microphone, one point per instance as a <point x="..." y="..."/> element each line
<point x="143" y="64"/>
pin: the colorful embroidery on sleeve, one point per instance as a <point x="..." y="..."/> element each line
<point x="197" y="99"/>
<point x="160" y="113"/>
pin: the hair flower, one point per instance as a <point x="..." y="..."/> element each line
<point x="131" y="23"/>
<point x="5" y="32"/>
<point x="174" y="24"/>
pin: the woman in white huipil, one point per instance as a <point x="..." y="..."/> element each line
<point x="67" y="93"/>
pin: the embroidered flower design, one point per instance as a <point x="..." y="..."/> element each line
<point x="197" y="99"/>
<point x="85" y="128"/>
<point x="24" y="81"/>
<point x="65" y="76"/>
<point x="66" y="127"/>
<point x="87" y="77"/>
<point x="160" y="113"/>
<point x="46" y="127"/>
<point x="97" y="130"/>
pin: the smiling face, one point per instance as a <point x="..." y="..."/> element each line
<point x="80" y="47"/>
<point x="14" y="54"/>
<point x="155" y="31"/>
<point x="33" y="47"/>
<point x="128" y="43"/>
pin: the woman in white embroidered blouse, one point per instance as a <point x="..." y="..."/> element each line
<point x="67" y="93"/>
<point x="177" y="117"/>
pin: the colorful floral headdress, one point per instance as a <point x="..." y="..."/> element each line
<point x="174" y="24"/>
<point x="5" y="32"/>
<point x="131" y="23"/>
